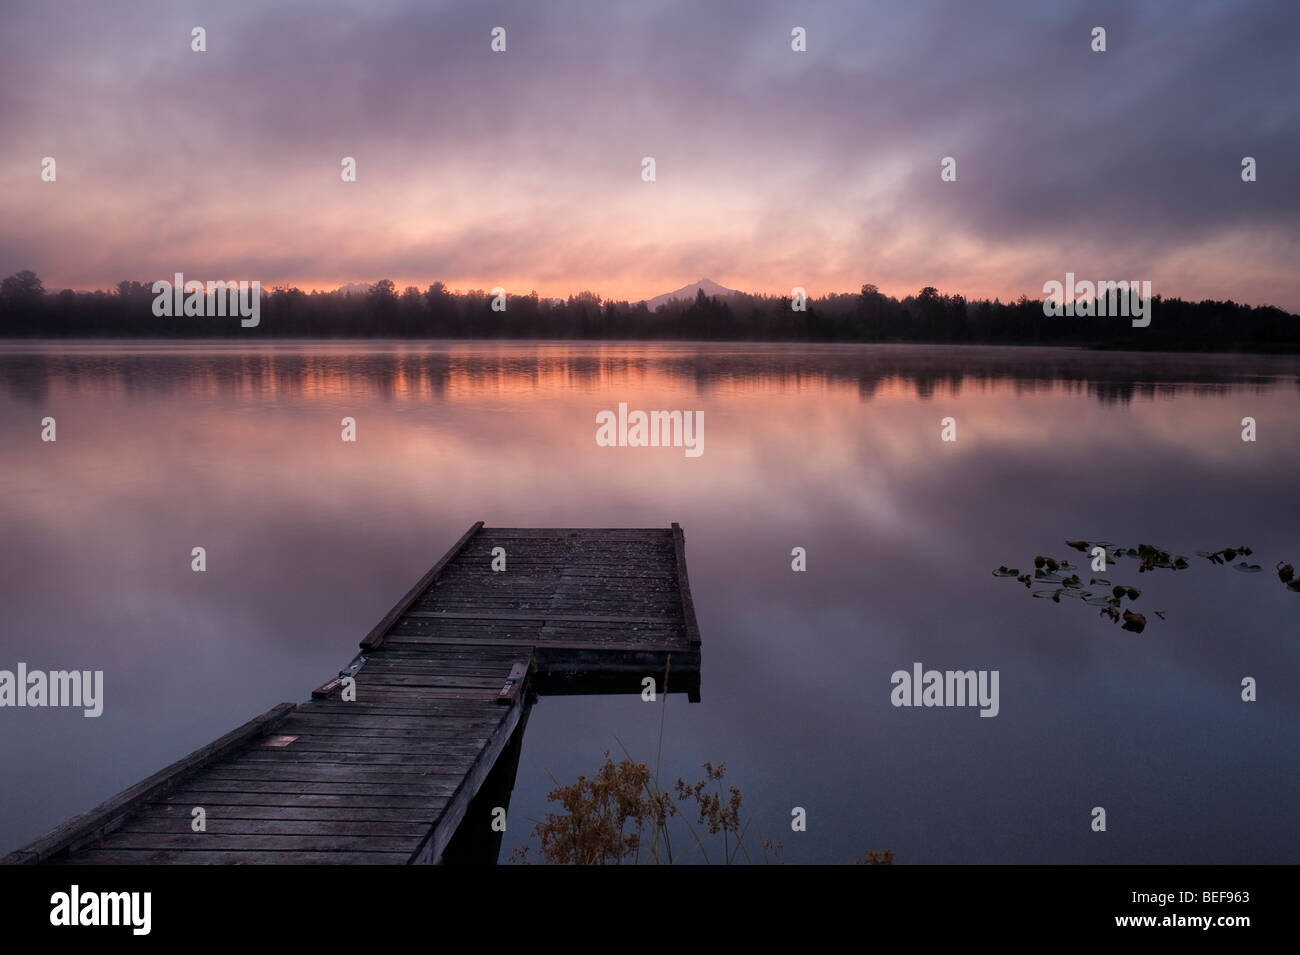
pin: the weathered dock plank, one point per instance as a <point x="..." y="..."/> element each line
<point x="383" y="763"/>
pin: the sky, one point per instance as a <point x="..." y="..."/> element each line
<point x="773" y="168"/>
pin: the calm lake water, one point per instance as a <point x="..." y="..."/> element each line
<point x="836" y="449"/>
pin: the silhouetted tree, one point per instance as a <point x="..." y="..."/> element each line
<point x="871" y="316"/>
<point x="22" y="289"/>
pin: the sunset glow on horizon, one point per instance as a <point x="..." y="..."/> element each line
<point x="774" y="169"/>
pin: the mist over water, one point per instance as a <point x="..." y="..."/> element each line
<point x="834" y="448"/>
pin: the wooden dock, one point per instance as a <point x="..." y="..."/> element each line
<point x="410" y="769"/>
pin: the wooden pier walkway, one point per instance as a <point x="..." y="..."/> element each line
<point x="442" y="689"/>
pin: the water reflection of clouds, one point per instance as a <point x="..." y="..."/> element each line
<point x="310" y="540"/>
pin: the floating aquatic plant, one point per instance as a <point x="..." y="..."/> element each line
<point x="1049" y="570"/>
<point x="1134" y="622"/>
<point x="1224" y="556"/>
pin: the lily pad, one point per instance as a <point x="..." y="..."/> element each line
<point x="1246" y="568"/>
<point x="1003" y="571"/>
<point x="1134" y="622"/>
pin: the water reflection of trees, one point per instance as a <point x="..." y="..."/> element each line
<point x="416" y="371"/>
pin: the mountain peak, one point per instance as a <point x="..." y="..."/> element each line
<point x="707" y="285"/>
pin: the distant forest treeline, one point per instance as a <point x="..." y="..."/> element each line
<point x="26" y="310"/>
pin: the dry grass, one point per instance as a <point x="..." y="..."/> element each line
<point x="620" y="815"/>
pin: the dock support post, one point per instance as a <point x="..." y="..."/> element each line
<point x="475" y="842"/>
